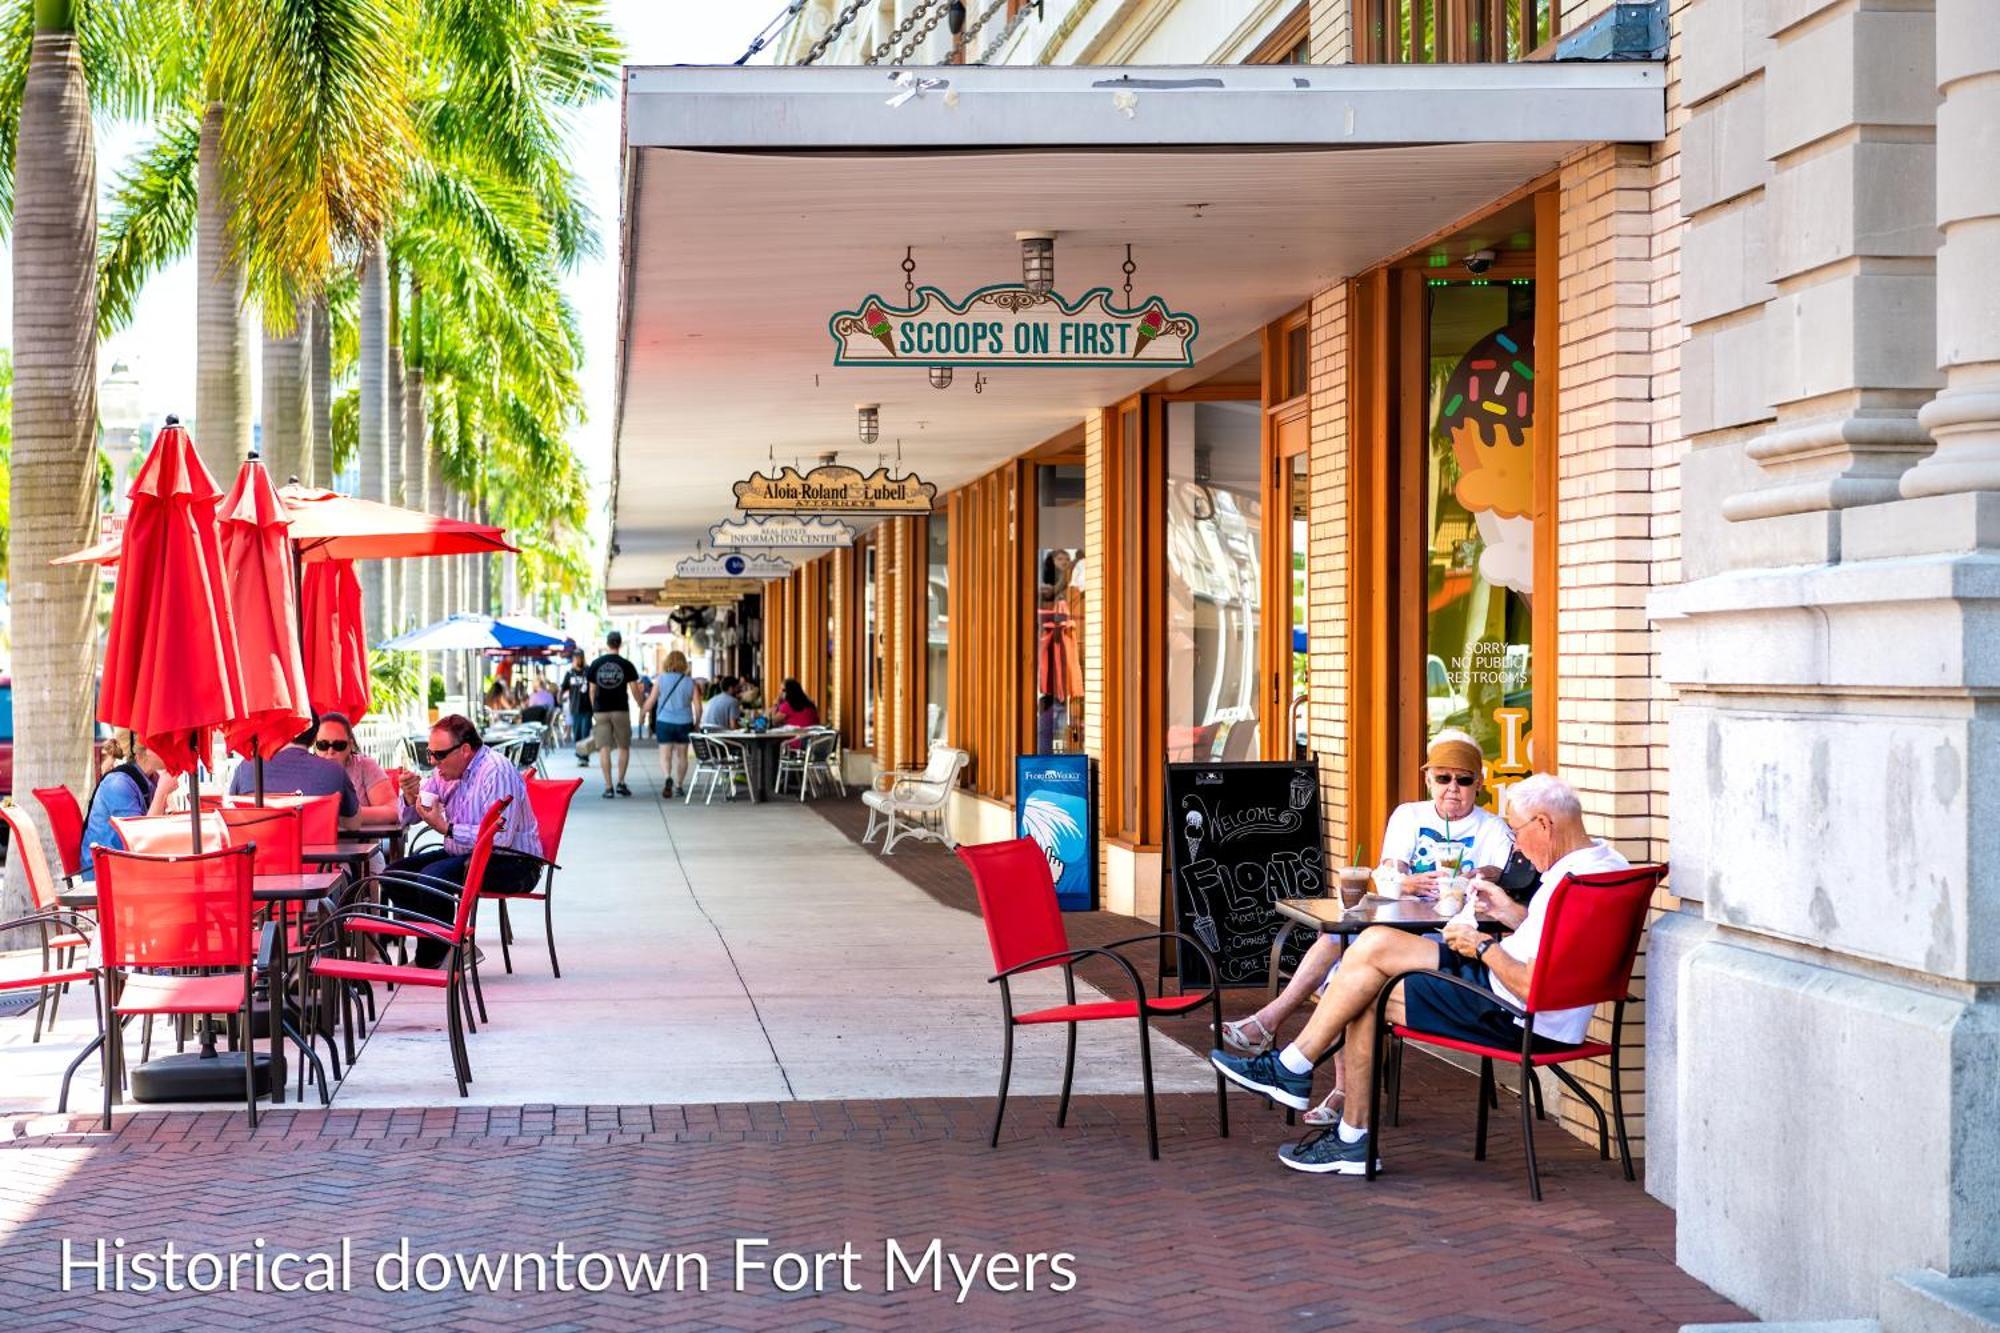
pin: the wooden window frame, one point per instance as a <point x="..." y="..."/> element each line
<point x="1292" y="32"/>
<point x="1465" y="31"/>
<point x="985" y="568"/>
<point x="1287" y="433"/>
<point x="1132" y="744"/>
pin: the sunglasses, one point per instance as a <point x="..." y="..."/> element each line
<point x="439" y="756"/>
<point x="1449" y="779"/>
<point x="338" y="747"/>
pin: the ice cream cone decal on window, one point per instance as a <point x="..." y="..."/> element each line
<point x="878" y="326"/>
<point x="1150" y="325"/>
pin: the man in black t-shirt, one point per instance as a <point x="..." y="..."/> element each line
<point x="613" y="680"/>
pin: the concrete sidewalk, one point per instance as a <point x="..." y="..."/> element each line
<point x="721" y="953"/>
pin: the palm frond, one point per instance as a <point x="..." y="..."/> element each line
<point x="152" y="220"/>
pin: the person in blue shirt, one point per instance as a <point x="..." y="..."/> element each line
<point x="132" y="783"/>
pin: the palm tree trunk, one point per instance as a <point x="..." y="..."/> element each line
<point x="320" y="361"/>
<point x="53" y="508"/>
<point x="372" y="423"/>
<point x="416" y="607"/>
<point x="221" y="340"/>
<point x="392" y="436"/>
<point x="437" y="568"/>
<point x="284" y="444"/>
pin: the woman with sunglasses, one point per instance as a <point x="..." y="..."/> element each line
<point x="1451" y="819"/>
<point x="372" y="787"/>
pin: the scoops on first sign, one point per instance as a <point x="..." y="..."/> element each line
<point x="1010" y="326"/>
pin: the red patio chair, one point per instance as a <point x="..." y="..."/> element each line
<point x="190" y="913"/>
<point x="456" y="935"/>
<point x="59" y="941"/>
<point x="320" y="815"/>
<point x="1590" y="942"/>
<point x="65" y="826"/>
<point x="275" y="833"/>
<point x="170" y="835"/>
<point x="550" y="799"/>
<point x="1024" y="928"/>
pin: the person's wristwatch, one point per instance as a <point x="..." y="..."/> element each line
<point x="1479" y="953"/>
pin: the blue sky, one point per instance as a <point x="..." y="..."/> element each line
<point x="159" y="345"/>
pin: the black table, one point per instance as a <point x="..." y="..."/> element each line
<point x="279" y="892"/>
<point x="1328" y="917"/>
<point x="760" y="754"/>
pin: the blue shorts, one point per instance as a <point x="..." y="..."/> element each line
<point x="672" y="733"/>
<point x="1444" y="1010"/>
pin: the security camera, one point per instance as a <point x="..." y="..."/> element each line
<point x="1479" y="261"/>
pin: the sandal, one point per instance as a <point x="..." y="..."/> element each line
<point x="1248" y="1035"/>
<point x="1328" y="1111"/>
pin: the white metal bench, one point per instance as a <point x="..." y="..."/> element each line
<point x="913" y="805"/>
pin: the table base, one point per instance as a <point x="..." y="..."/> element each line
<point x="193" y="1077"/>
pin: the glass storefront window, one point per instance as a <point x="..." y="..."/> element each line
<point x="1301" y="660"/>
<point x="1478" y="671"/>
<point x="1060" y="581"/>
<point x="1214" y="527"/>
<point x="871" y="647"/>
<point x="937" y="629"/>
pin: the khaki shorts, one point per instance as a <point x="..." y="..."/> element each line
<point x="612" y="731"/>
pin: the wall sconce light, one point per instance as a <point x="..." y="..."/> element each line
<point x="1038" y="261"/>
<point x="940" y="377"/>
<point x="954" y="17"/>
<point x="869" y="419"/>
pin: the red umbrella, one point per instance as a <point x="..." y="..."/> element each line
<point x="170" y="666"/>
<point x="336" y="657"/>
<point x="258" y="553"/>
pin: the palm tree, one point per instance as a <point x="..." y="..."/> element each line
<point x="287" y="424"/>
<point x="320" y="394"/>
<point x="53" y="501"/>
<point x="372" y="420"/>
<point x="221" y="326"/>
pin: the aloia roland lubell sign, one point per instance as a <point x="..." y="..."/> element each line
<point x="1011" y="326"/>
<point x="834" y="488"/>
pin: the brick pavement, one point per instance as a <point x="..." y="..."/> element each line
<point x="1215" y="1234"/>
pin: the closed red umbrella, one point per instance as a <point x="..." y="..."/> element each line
<point x="337" y="650"/>
<point x="257" y="554"/>
<point x="170" y="667"/>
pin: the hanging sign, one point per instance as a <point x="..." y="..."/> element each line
<point x="706" y="592"/>
<point x="730" y="565"/>
<point x="1010" y="326"/>
<point x="834" y="488"/>
<point x="783" y="530"/>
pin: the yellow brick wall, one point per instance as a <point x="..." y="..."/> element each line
<point x="1326" y="564"/>
<point x="1096" y="564"/>
<point x="1331" y="31"/>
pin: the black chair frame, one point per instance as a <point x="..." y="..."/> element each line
<point x="1529" y="1090"/>
<point x="1069" y="958"/>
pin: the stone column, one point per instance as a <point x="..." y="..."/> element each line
<point x="1965" y="417"/>
<point x="1848" y="109"/>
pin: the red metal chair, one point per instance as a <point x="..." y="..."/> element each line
<point x="66" y="823"/>
<point x="275" y="832"/>
<point x="170" y="835"/>
<point x="191" y="913"/>
<point x="59" y="941"/>
<point x="456" y="935"/>
<point x="1590" y="942"/>
<point x="1024" y="928"/>
<point x="319" y="815"/>
<point x="550" y="799"/>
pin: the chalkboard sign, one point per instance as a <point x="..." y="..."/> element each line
<point x="1239" y="838"/>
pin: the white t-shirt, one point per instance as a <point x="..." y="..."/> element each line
<point x="1416" y="828"/>
<point x="1564" y="1025"/>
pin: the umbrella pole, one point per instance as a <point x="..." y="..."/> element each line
<point x="194" y="790"/>
<point x="260" y="775"/>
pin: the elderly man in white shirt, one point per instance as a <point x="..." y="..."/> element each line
<point x="1546" y="821"/>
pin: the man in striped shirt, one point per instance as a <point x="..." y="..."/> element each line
<point x="464" y="782"/>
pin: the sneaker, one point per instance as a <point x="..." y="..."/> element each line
<point x="1324" y="1154"/>
<point x="667" y="792"/>
<point x="1266" y="1074"/>
<point x="1248" y="1035"/>
<point x="582" y="762"/>
<point x="610" y="795"/>
<point x="624" y="790"/>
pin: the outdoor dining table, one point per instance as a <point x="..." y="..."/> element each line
<point x="390" y="833"/>
<point x="349" y="853"/>
<point x="188" y="1080"/>
<point x="1328" y="917"/>
<point x="760" y="754"/>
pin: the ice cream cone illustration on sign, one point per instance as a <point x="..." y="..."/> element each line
<point x="878" y="326"/>
<point x="1150" y="325"/>
<point x="1488" y="410"/>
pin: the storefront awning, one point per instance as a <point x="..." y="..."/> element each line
<point x="759" y="201"/>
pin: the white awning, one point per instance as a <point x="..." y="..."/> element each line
<point x="759" y="200"/>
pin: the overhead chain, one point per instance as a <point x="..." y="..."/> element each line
<point x="1000" y="38"/>
<point x="1130" y="269"/>
<point x="834" y="29"/>
<point x="923" y="34"/>
<point x="900" y="31"/>
<point x="972" y="28"/>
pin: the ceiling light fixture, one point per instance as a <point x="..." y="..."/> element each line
<point x="868" y="418"/>
<point x="1038" y="261"/>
